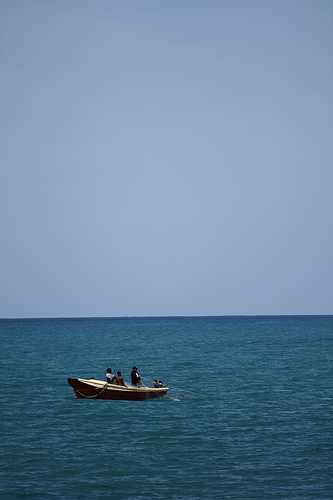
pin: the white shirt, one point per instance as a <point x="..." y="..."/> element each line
<point x="110" y="377"/>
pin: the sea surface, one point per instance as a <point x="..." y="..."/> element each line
<point x="249" y="415"/>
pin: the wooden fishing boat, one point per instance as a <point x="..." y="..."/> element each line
<point x="98" y="389"/>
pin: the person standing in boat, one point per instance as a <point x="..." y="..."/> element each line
<point x="110" y="378"/>
<point x="135" y="377"/>
<point x="120" y="380"/>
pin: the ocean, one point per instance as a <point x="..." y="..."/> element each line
<point x="249" y="414"/>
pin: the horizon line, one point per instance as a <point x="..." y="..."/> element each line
<point x="157" y="316"/>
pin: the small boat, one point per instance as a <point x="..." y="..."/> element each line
<point x="98" y="389"/>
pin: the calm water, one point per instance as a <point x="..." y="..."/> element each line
<point x="263" y="431"/>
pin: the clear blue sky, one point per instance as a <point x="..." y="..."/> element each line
<point x="166" y="157"/>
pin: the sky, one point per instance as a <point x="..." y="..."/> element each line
<point x="166" y="158"/>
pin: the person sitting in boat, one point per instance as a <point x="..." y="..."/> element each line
<point x="110" y="378"/>
<point x="120" y="380"/>
<point x="135" y="377"/>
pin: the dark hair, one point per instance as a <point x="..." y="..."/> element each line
<point x="118" y="373"/>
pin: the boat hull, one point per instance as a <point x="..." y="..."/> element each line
<point x="98" y="389"/>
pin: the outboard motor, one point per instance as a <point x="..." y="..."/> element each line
<point x="158" y="383"/>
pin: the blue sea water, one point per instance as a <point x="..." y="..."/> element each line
<point x="249" y="415"/>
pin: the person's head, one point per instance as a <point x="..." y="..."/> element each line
<point x="109" y="370"/>
<point x="119" y="374"/>
<point x="134" y="368"/>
